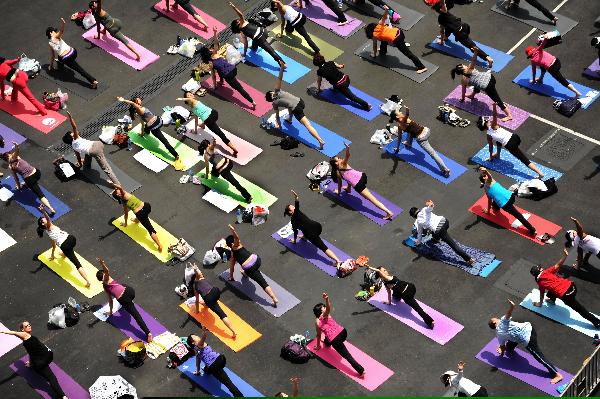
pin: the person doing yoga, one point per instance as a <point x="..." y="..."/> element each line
<point x="185" y="4"/>
<point x="40" y="356"/>
<point x="462" y="386"/>
<point x="65" y="54"/>
<point x="331" y="71"/>
<point x="335" y="334"/>
<point x="256" y="33"/>
<point x="249" y="262"/>
<point x="311" y="230"/>
<point x="341" y="170"/>
<point x="514" y="4"/>
<point x="151" y="124"/>
<point x="110" y="24"/>
<point x="140" y="209"/>
<point x="214" y="362"/>
<point x="333" y="5"/>
<point x="124" y="294"/>
<point x="480" y="81"/>
<point x="420" y="133"/>
<point x="10" y="72"/>
<point x="292" y="20"/>
<point x="295" y="392"/>
<point x="502" y="137"/>
<point x="295" y="106"/>
<point x="221" y="166"/>
<point x="584" y="242"/>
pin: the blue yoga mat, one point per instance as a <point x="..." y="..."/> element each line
<point x="422" y="161"/>
<point x="510" y="166"/>
<point x="457" y="50"/>
<point x="28" y="200"/>
<point x="263" y="60"/>
<point x="9" y="135"/>
<point x="211" y="385"/>
<point x="552" y="88"/>
<point x="328" y="94"/>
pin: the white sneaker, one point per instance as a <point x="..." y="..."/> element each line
<point x="181" y="290"/>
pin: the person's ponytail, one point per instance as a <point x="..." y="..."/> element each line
<point x="334" y="170"/>
<point x="40" y="227"/>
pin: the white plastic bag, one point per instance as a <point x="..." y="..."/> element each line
<point x="88" y="21"/>
<point x="390" y="106"/>
<point x="233" y="56"/>
<point x="187" y="49"/>
<point x="107" y="135"/>
<point x="56" y="317"/>
<point x="192" y="86"/>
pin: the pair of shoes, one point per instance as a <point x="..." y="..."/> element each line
<point x="297" y="154"/>
<point x="178" y="165"/>
<point x="173" y="50"/>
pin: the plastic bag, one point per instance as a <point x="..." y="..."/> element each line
<point x="88" y="20"/>
<point x="187" y="49"/>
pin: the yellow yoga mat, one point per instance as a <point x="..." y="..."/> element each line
<point x="65" y="269"/>
<point x="300" y="45"/>
<point x="139" y="234"/>
<point x="245" y="333"/>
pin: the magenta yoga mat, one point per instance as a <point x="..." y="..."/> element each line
<point x="184" y="19"/>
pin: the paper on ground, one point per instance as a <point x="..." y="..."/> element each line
<point x="5" y="240"/>
<point x="5" y="194"/>
<point x="102" y="313"/>
<point x="221" y="201"/>
<point x="150" y="161"/>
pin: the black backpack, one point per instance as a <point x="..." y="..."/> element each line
<point x="371" y="279"/>
<point x="567" y="107"/>
<point x="71" y="316"/>
<point x="60" y="174"/>
<point x="295" y="353"/>
<point x="289" y="143"/>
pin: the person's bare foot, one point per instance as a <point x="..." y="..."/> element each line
<point x="149" y="337"/>
<point x="506" y="119"/>
<point x="233" y="336"/>
<point x="321" y="145"/>
<point x="362" y="375"/>
<point x="490" y="61"/>
<point x="253" y="106"/>
<point x="88" y="285"/>
<point x="471" y="262"/>
<point x="137" y="57"/>
<point x="343" y="23"/>
<point x="555" y="21"/>
<point x="432" y="324"/>
<point x="160" y="248"/>
<point x="541" y="176"/>
<point x="556" y="378"/>
<point x="275" y="302"/>
<point x="419" y="71"/>
<point x="388" y="216"/>
<point x="577" y="95"/>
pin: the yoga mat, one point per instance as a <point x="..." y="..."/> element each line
<point x="263" y="60"/>
<point x="28" y="200"/>
<point x="375" y="372"/>
<point x="252" y="290"/>
<point x="96" y="175"/>
<point x="397" y="62"/>
<point x="552" y="88"/>
<point x="139" y="234"/>
<point x="408" y="20"/>
<point x="522" y="365"/>
<point x="7" y="342"/>
<point x="503" y="219"/>
<point x="9" y="135"/>
<point x="259" y="196"/>
<point x="593" y="71"/>
<point x="122" y="320"/>
<point x="455" y="49"/>
<point x="187" y="155"/>
<point x="481" y="105"/>
<point x="510" y="166"/>
<point x="300" y="45"/>
<point x="23" y="110"/>
<point x="444" y="330"/>
<point x="335" y="97"/>
<point x="360" y="204"/>
<point x="561" y="149"/>
<point x="120" y="52"/>
<point x="533" y="17"/>
<point x="6" y="241"/>
<point x="211" y="385"/>
<point x="561" y="313"/>
<point x="334" y="143"/>
<point x="246" y="335"/>
<point x="187" y="21"/>
<point x="67" y="271"/>
<point x="71" y="388"/>
<point x="226" y="93"/>
<point x="221" y="201"/>
<point x="150" y="161"/>
<point x="66" y="78"/>
<point x="320" y="14"/>
<point x="423" y="161"/>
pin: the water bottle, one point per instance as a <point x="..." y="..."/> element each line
<point x="340" y="3"/>
<point x="129" y="145"/>
<point x="238" y="215"/>
<point x="237" y="42"/>
<point x="371" y="290"/>
<point x="72" y="302"/>
<point x="225" y="256"/>
<point x="596" y="340"/>
<point x="190" y="173"/>
<point x="307" y="334"/>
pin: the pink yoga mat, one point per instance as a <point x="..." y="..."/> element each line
<point x="444" y="330"/>
<point x="7" y="342"/>
<point x="320" y="14"/>
<point x="186" y="20"/>
<point x="23" y="110"/>
<point x="227" y="93"/>
<point x="120" y="51"/>
<point x="375" y="372"/>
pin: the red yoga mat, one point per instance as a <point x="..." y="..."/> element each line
<point x="23" y="110"/>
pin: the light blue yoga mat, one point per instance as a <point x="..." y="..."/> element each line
<point x="263" y="60"/>
<point x="422" y="161"/>
<point x="455" y="49"/>
<point x="561" y="313"/>
<point x="211" y="385"/>
<point x="29" y="201"/>
<point x="335" y="97"/>
<point x="552" y="88"/>
<point x="510" y="166"/>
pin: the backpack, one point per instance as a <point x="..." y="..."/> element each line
<point x="346" y="268"/>
<point x="121" y="140"/>
<point x="371" y="279"/>
<point x="567" y="107"/>
<point x="63" y="315"/>
<point x="134" y="353"/>
<point x="71" y="316"/>
<point x="319" y="172"/>
<point x="289" y="143"/>
<point x="181" y="250"/>
<point x="30" y="66"/>
<point x="65" y="170"/>
<point x="295" y="353"/>
<point x="449" y="116"/>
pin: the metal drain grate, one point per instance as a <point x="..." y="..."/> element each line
<point x="561" y="146"/>
<point x="561" y="149"/>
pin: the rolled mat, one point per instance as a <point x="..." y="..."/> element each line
<point x="259" y="196"/>
<point x="9" y="135"/>
<point x="29" y="201"/>
<point x="320" y="14"/>
<point x="139" y="234"/>
<point x="120" y="51"/>
<point x="24" y="111"/>
<point x="226" y="93"/>
<point x="122" y="320"/>
<point x="264" y="61"/>
<point x="300" y="45"/>
<point x="6" y="241"/>
<point x="67" y="271"/>
<point x="7" y="342"/>
<point x="184" y="19"/>
<point x="455" y="49"/>
<point x="329" y="94"/>
<point x="593" y="71"/>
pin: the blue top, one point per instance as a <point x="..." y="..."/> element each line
<point x="509" y="330"/>
<point x="498" y="194"/>
<point x="207" y="355"/>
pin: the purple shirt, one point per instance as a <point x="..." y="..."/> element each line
<point x="208" y="355"/>
<point x="222" y="66"/>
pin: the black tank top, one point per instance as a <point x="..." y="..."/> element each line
<point x="252" y="31"/>
<point x="241" y="255"/>
<point x="413" y="128"/>
<point x="39" y="354"/>
<point x="398" y="286"/>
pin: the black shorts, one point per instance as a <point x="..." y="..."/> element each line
<point x="362" y="183"/>
<point x="32" y="183"/>
<point x="298" y="112"/>
<point x="212" y="302"/>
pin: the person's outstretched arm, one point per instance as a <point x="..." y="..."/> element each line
<point x="347" y="154"/>
<point x="511" y="307"/>
<point x="73" y="126"/>
<point x="579" y="228"/>
<point x="20" y="334"/>
<point x="473" y="61"/>
<point x="62" y="28"/>
<point x="279" y="81"/>
<point x="216" y="39"/>
<point x="238" y="12"/>
<point x="327" y="306"/>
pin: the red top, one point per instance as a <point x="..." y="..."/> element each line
<point x="549" y="281"/>
<point x="542" y="58"/>
<point x="6" y="66"/>
<point x="330" y="327"/>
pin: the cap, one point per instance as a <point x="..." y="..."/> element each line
<point x="125" y="119"/>
<point x="529" y="51"/>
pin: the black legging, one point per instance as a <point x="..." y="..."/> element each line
<point x="378" y="3"/>
<point x="541" y="8"/>
<point x="463" y="38"/>
<point x="444" y="236"/>
<point x="230" y="78"/>
<point x="492" y="93"/>
<point x="408" y="296"/>
<point x="211" y="123"/>
<point x="315" y="239"/>
<point x="571" y="301"/>
<point x="211" y="300"/>
<point x="554" y="71"/>
<point x="143" y="215"/>
<point x="126" y="301"/>
<point x="32" y="183"/>
<point x="338" y="344"/>
<point x="401" y="45"/>
<point x="299" y="27"/>
<point x="49" y="376"/>
<point x="71" y="62"/>
<point x="261" y="42"/>
<point x="510" y="208"/>
<point x="344" y="88"/>
<point x="154" y="128"/>
<point x="513" y="147"/>
<point x="255" y="274"/>
<point x="216" y="369"/>
<point x="333" y="6"/>
<point x="533" y="348"/>
<point x="68" y="248"/>
<point x="185" y="4"/>
<point x="226" y="174"/>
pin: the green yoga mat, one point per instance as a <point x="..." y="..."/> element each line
<point x="299" y="44"/>
<point x="259" y="196"/>
<point x="188" y="156"/>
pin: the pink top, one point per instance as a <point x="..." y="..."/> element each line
<point x="542" y="58"/>
<point x="22" y="167"/>
<point x="114" y="288"/>
<point x="352" y="176"/>
<point x="330" y="327"/>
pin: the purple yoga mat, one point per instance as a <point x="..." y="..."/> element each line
<point x="71" y="388"/>
<point x="593" y="70"/>
<point x="444" y="330"/>
<point x="320" y="14"/>
<point x="120" y="51"/>
<point x="521" y="365"/>
<point x="482" y="106"/>
<point x="124" y="322"/>
<point x="9" y="135"/>
<point x="357" y="202"/>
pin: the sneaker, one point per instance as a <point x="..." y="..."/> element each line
<point x="181" y="291"/>
<point x="178" y="165"/>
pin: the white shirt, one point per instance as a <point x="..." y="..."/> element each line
<point x="82" y="145"/>
<point x="59" y="48"/>
<point x="588" y="244"/>
<point x="499" y="135"/>
<point x="427" y="220"/>
<point x="57" y="235"/>
<point x="291" y="15"/>
<point x="464" y="385"/>
<point x="508" y="330"/>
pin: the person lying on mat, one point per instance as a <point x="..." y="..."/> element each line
<point x="258" y="34"/>
<point x="219" y="64"/>
<point x="221" y="166"/>
<point x="333" y="5"/>
<point x="185" y="4"/>
<point x="426" y="220"/>
<point x="335" y="334"/>
<point x="140" y="209"/>
<point x="295" y="22"/>
<point x="10" y="72"/>
<point x="341" y="170"/>
<point x="420" y="133"/>
<point x="110" y="24"/>
<point x="40" y="356"/>
<point x="461" y="385"/>
<point x="295" y="381"/>
<point x="502" y="137"/>
<point x="311" y="230"/>
<point x="331" y="71"/>
<point x="583" y="242"/>
<point x="295" y="106"/>
<point x="214" y="362"/>
<point x="386" y="34"/>
<point x="500" y="198"/>
<point x="513" y="5"/>
<point x="249" y="262"/>
<point x="511" y="333"/>
<point x="547" y="63"/>
<point x="480" y="81"/>
<point x="561" y="288"/>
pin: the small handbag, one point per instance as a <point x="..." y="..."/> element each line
<point x="567" y="107"/>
